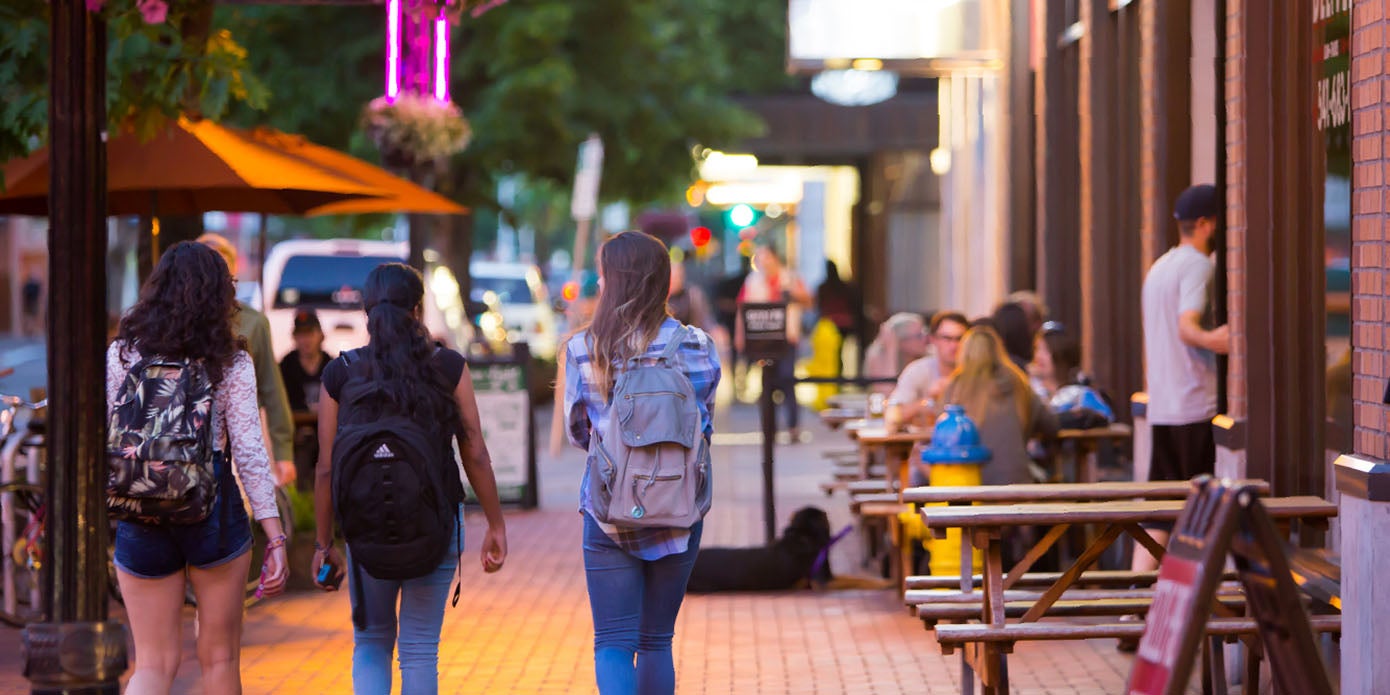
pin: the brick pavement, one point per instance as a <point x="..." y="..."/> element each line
<point x="528" y="629"/>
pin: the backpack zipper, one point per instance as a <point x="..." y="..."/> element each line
<point x="630" y="396"/>
<point x="659" y="478"/>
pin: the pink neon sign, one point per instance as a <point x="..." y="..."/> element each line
<point x="393" y="48"/>
<point x="441" y="59"/>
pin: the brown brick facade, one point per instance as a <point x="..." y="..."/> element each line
<point x="1370" y="67"/>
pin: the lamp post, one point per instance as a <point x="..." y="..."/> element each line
<point x="77" y="650"/>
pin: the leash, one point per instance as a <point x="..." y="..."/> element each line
<point x="824" y="556"/>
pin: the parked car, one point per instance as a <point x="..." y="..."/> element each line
<point x="523" y="300"/>
<point x="327" y="276"/>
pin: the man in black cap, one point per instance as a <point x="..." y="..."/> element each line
<point x="1179" y="354"/>
<point x="302" y="372"/>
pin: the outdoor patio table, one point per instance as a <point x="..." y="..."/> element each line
<point x="1088" y="443"/>
<point x="984" y="526"/>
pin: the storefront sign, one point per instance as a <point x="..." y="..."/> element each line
<point x="765" y="329"/>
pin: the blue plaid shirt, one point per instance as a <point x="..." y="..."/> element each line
<point x="586" y="405"/>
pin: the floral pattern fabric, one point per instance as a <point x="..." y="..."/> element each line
<point x="236" y="424"/>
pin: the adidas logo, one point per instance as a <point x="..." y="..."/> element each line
<point x="384" y="452"/>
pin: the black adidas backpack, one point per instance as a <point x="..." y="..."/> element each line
<point x="396" y="488"/>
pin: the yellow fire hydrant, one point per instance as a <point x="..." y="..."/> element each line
<point x="825" y="359"/>
<point x="956" y="457"/>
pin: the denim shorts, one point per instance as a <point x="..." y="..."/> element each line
<point x="155" y="552"/>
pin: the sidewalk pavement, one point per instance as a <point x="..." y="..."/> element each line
<point x="527" y="629"/>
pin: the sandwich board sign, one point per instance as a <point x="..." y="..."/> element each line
<point x="1220" y="519"/>
<point x="764" y="330"/>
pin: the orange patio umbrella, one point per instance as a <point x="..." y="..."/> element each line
<point x="193" y="167"/>
<point x="394" y="194"/>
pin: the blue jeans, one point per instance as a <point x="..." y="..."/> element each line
<point x="634" y="603"/>
<point x="421" y="616"/>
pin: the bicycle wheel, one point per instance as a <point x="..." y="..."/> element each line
<point x="22" y="518"/>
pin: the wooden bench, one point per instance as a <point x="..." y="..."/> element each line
<point x="1115" y="578"/>
<point x="952" y="637"/>
<point x="1054" y="492"/>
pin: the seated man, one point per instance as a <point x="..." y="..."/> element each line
<point x="917" y="396"/>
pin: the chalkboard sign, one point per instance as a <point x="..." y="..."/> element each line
<point x="764" y="329"/>
<point x="504" y="408"/>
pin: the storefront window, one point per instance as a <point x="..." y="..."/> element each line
<point x="1332" y="27"/>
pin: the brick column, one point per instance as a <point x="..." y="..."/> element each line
<point x="1236" y="224"/>
<point x="1363" y="480"/>
<point x="1370" y="248"/>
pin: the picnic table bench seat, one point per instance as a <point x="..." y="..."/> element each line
<point x="1053" y="492"/>
<point x="1065" y="608"/>
<point x="1117" y="578"/>
<point x="952" y="636"/>
<point x="1111" y="512"/>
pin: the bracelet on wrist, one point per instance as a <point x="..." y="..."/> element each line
<point x="321" y="548"/>
<point x="276" y="542"/>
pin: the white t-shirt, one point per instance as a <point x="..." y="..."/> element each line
<point x="916" y="380"/>
<point x="1181" y="378"/>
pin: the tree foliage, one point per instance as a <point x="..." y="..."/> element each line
<point x="154" y="71"/>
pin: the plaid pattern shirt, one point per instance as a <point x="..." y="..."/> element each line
<point x="586" y="408"/>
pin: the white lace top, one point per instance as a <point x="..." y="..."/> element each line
<point x="237" y="415"/>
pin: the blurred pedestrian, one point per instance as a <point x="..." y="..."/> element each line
<point x="253" y="326"/>
<point x="840" y="302"/>
<point x="185" y="312"/>
<point x="687" y="303"/>
<point x="427" y="388"/>
<point x="636" y="575"/>
<point x="923" y="381"/>
<point x="302" y="371"/>
<point x="1033" y="307"/>
<point x="1056" y="360"/>
<point x="772" y="281"/>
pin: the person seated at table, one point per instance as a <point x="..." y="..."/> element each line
<point x="1008" y="414"/>
<point x="901" y="339"/>
<point x="1056" y="360"/>
<point x="922" y="382"/>
<point x="302" y="371"/>
<point x="997" y="397"/>
<point x="1010" y="321"/>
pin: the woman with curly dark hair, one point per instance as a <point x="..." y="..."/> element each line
<point x="185" y="312"/>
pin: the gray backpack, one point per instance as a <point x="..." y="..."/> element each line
<point x="653" y="471"/>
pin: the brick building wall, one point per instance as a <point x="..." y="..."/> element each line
<point x="1370" y="70"/>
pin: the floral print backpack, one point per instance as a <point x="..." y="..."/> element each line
<point x="159" y="444"/>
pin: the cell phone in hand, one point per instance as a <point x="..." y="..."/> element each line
<point x="327" y="577"/>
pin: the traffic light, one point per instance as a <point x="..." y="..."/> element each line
<point x="741" y="215"/>
<point x="570" y="291"/>
<point x="700" y="236"/>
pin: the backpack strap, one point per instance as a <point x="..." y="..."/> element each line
<point x="673" y="344"/>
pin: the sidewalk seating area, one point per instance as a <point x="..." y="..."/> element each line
<point x="990" y="608"/>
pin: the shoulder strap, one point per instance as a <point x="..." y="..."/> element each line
<point x="673" y="344"/>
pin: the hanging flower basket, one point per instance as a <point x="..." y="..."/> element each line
<point x="412" y="130"/>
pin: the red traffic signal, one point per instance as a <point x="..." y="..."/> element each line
<point x="700" y="236"/>
<point x="570" y="291"/>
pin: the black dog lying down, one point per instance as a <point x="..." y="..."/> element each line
<point x="783" y="565"/>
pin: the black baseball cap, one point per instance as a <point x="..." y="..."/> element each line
<point x="1197" y="202"/>
<point x="306" y="319"/>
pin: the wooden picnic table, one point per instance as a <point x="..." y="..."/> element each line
<point x="984" y="525"/>
<point x="835" y="418"/>
<point x="1088" y="444"/>
<point x="853" y="401"/>
<point x="1043" y="492"/>
<point x="897" y="450"/>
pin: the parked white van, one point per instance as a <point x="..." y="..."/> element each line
<point x="327" y="276"/>
<point x="522" y="300"/>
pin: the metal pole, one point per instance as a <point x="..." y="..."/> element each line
<point x="769" y="417"/>
<point x="77" y="651"/>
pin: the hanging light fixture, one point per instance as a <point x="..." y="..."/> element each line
<point x="855" y="87"/>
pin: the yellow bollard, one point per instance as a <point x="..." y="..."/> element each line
<point x="825" y="353"/>
<point x="945" y="552"/>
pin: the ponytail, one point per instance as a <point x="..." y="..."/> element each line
<point x="401" y="351"/>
